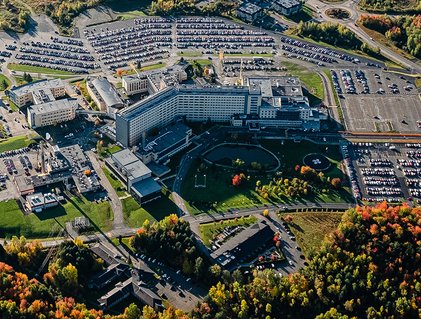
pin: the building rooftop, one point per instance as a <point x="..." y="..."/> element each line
<point x="249" y="8"/>
<point x="242" y="245"/>
<point x="146" y="187"/>
<point x="166" y="138"/>
<point x="38" y="85"/>
<point x="132" y="165"/>
<point x="107" y="92"/>
<point x="53" y="106"/>
<point x="288" y="3"/>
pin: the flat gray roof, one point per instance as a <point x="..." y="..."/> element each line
<point x="166" y="138"/>
<point x="134" y="167"/>
<point x="53" y="106"/>
<point x="146" y="187"/>
<point x="38" y="85"/>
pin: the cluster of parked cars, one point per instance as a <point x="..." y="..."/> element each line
<point x="57" y="64"/>
<point x="308" y="56"/>
<point x="348" y="82"/>
<point x="14" y="152"/>
<point x="26" y="163"/>
<point x="260" y="64"/>
<point x="320" y="50"/>
<point x="336" y="84"/>
<point x="10" y="166"/>
<point x="361" y="78"/>
<point x="144" y="41"/>
<point x="216" y="34"/>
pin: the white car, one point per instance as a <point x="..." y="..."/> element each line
<point x="290" y="262"/>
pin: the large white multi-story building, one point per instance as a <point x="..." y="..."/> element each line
<point x="51" y="113"/>
<point x="104" y="95"/>
<point x="276" y="102"/>
<point x="193" y="103"/>
<point x="37" y="92"/>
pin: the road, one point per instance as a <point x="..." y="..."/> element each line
<point x="118" y="222"/>
<point x="355" y="13"/>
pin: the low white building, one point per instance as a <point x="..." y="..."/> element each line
<point x="37" y="202"/>
<point x="51" y="113"/>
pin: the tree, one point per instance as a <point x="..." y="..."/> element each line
<point x="132" y="312"/>
<point x="265" y="213"/>
<point x="336" y="182"/>
<point x="288" y="219"/>
<point x="237" y="180"/>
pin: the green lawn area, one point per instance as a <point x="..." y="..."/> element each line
<point x="335" y="94"/>
<point x="14" y="222"/>
<point x="36" y="69"/>
<point x="201" y="62"/>
<point x="209" y="230"/>
<point x="306" y="14"/>
<point x="189" y="53"/>
<point x="220" y="195"/>
<point x="4" y="82"/>
<point x="311" y="228"/>
<point x="108" y="148"/>
<point x="311" y="80"/>
<point x="14" y="143"/>
<point x="131" y="14"/>
<point x="115" y="183"/>
<point x="135" y="215"/>
<point x="145" y="68"/>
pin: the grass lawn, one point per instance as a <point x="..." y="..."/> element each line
<point x="135" y="215"/>
<point x="306" y="14"/>
<point x="220" y="195"/>
<point x="189" y="53"/>
<point x="4" y="82"/>
<point x="108" y="148"/>
<point x="14" y="143"/>
<point x="311" y="228"/>
<point x="201" y="62"/>
<point x="131" y="14"/>
<point x="14" y="222"/>
<point x="145" y="68"/>
<point x="115" y="183"/>
<point x="209" y="230"/>
<point x="335" y="94"/>
<point x="36" y="69"/>
<point x="311" y="80"/>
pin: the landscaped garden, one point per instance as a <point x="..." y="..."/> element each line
<point x="212" y="188"/>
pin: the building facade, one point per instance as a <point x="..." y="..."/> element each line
<point x="249" y="12"/>
<point x="268" y="101"/>
<point x="51" y="113"/>
<point x="287" y="7"/>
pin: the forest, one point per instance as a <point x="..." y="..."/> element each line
<point x="391" y="6"/>
<point x="404" y="31"/>
<point x="368" y="268"/>
<point x="334" y="34"/>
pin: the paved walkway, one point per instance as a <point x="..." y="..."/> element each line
<point x="117" y="207"/>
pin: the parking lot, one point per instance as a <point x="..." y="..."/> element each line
<point x="385" y="172"/>
<point x="376" y="101"/>
<point x="14" y="163"/>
